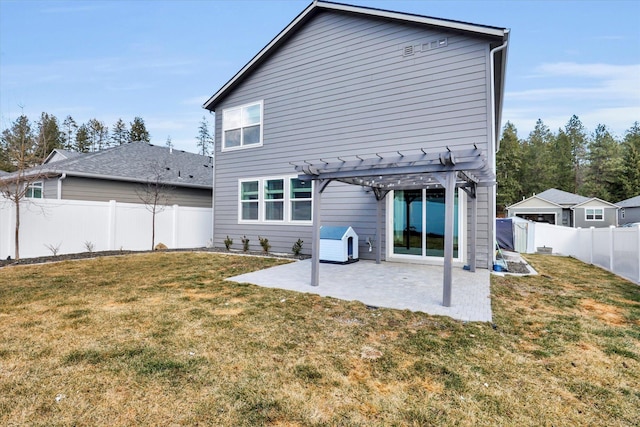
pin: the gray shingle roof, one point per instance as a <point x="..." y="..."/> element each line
<point x="633" y="202"/>
<point x="137" y="162"/>
<point x="560" y="197"/>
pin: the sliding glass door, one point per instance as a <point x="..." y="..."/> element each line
<point x="418" y="223"/>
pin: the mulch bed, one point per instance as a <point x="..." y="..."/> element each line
<point x="86" y="255"/>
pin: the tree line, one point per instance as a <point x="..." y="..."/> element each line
<point x="47" y="133"/>
<point x="593" y="164"/>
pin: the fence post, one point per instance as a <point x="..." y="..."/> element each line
<point x="174" y="227"/>
<point x="111" y="226"/>
<point x="611" y="228"/>
<point x="591" y="244"/>
<point x="637" y="228"/>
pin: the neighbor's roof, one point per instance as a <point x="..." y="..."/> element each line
<point x="136" y="162"/>
<point x="560" y="197"/>
<point x="633" y="202"/>
<point x="58" y="154"/>
<point x="502" y="34"/>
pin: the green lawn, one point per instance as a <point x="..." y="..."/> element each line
<point x="162" y="339"/>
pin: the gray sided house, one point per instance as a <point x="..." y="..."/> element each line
<point x="372" y="113"/>
<point x="559" y="207"/>
<point x="629" y="211"/>
<point x="120" y="173"/>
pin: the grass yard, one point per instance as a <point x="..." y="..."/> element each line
<point x="161" y="339"/>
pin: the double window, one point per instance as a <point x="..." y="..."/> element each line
<point x="242" y="126"/>
<point x="594" y="214"/>
<point x="34" y="190"/>
<point x="275" y="199"/>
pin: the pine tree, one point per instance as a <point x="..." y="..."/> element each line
<point x="138" y="132"/>
<point x="562" y="166"/>
<point x="98" y="134"/>
<point x="631" y="163"/>
<point x="49" y="135"/>
<point x="70" y="127"/>
<point x="605" y="166"/>
<point x="83" y="142"/>
<point x="204" y="137"/>
<point x="508" y="166"/>
<point x="169" y="143"/>
<point x="536" y="165"/>
<point x="119" y="133"/>
<point x="577" y="137"/>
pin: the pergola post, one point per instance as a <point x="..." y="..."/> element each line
<point x="378" y="240"/>
<point x="315" y="234"/>
<point x="473" y="199"/>
<point x="450" y="186"/>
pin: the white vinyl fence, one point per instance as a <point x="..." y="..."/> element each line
<point x="616" y="249"/>
<point x="72" y="225"/>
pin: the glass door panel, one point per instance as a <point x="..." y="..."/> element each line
<point x="407" y="222"/>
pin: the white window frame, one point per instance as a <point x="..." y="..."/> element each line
<point x="263" y="201"/>
<point x="36" y="185"/>
<point x="595" y="215"/>
<point x="225" y="126"/>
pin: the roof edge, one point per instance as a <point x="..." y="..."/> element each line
<point x="485" y="30"/>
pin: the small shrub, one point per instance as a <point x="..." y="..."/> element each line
<point x="228" y="242"/>
<point x="297" y="247"/>
<point x="54" y="248"/>
<point x="245" y="244"/>
<point x="89" y="246"/>
<point x="264" y="242"/>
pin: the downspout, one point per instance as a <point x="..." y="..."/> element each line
<point x="62" y="177"/>
<point x="495" y="144"/>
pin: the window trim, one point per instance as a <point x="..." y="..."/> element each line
<point x="262" y="202"/>
<point x="595" y="215"/>
<point x="224" y="128"/>
<point x="36" y="185"/>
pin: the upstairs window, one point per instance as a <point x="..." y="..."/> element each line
<point x="34" y="191"/>
<point x="242" y="126"/>
<point x="594" y="214"/>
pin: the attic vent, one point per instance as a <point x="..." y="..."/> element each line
<point x="408" y="50"/>
<point x="442" y="42"/>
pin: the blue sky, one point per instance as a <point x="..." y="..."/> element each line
<point x="162" y="59"/>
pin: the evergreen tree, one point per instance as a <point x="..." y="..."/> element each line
<point x="119" y="133"/>
<point x="83" y="142"/>
<point x="138" y="131"/>
<point x="169" y="143"/>
<point x="536" y="165"/>
<point x="631" y="163"/>
<point x="98" y="134"/>
<point x="508" y="167"/>
<point x="50" y="136"/>
<point x="70" y="127"/>
<point x="577" y="136"/>
<point x="204" y="137"/>
<point x="605" y="166"/>
<point x="562" y="166"/>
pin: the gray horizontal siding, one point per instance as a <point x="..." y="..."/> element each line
<point x="74" y="188"/>
<point x="339" y="87"/>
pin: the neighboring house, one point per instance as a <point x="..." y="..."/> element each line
<point x="559" y="207"/>
<point x="415" y="100"/>
<point x="120" y="173"/>
<point x="629" y="211"/>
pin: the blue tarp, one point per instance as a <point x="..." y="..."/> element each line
<point x="504" y="233"/>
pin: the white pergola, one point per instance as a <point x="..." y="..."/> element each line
<point x="466" y="169"/>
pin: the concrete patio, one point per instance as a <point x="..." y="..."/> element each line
<point x="390" y="285"/>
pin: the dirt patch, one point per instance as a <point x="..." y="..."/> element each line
<point x="607" y="313"/>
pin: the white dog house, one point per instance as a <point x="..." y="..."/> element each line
<point x="338" y="244"/>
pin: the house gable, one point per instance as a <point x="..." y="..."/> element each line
<point x="341" y="83"/>
<point x="534" y="202"/>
